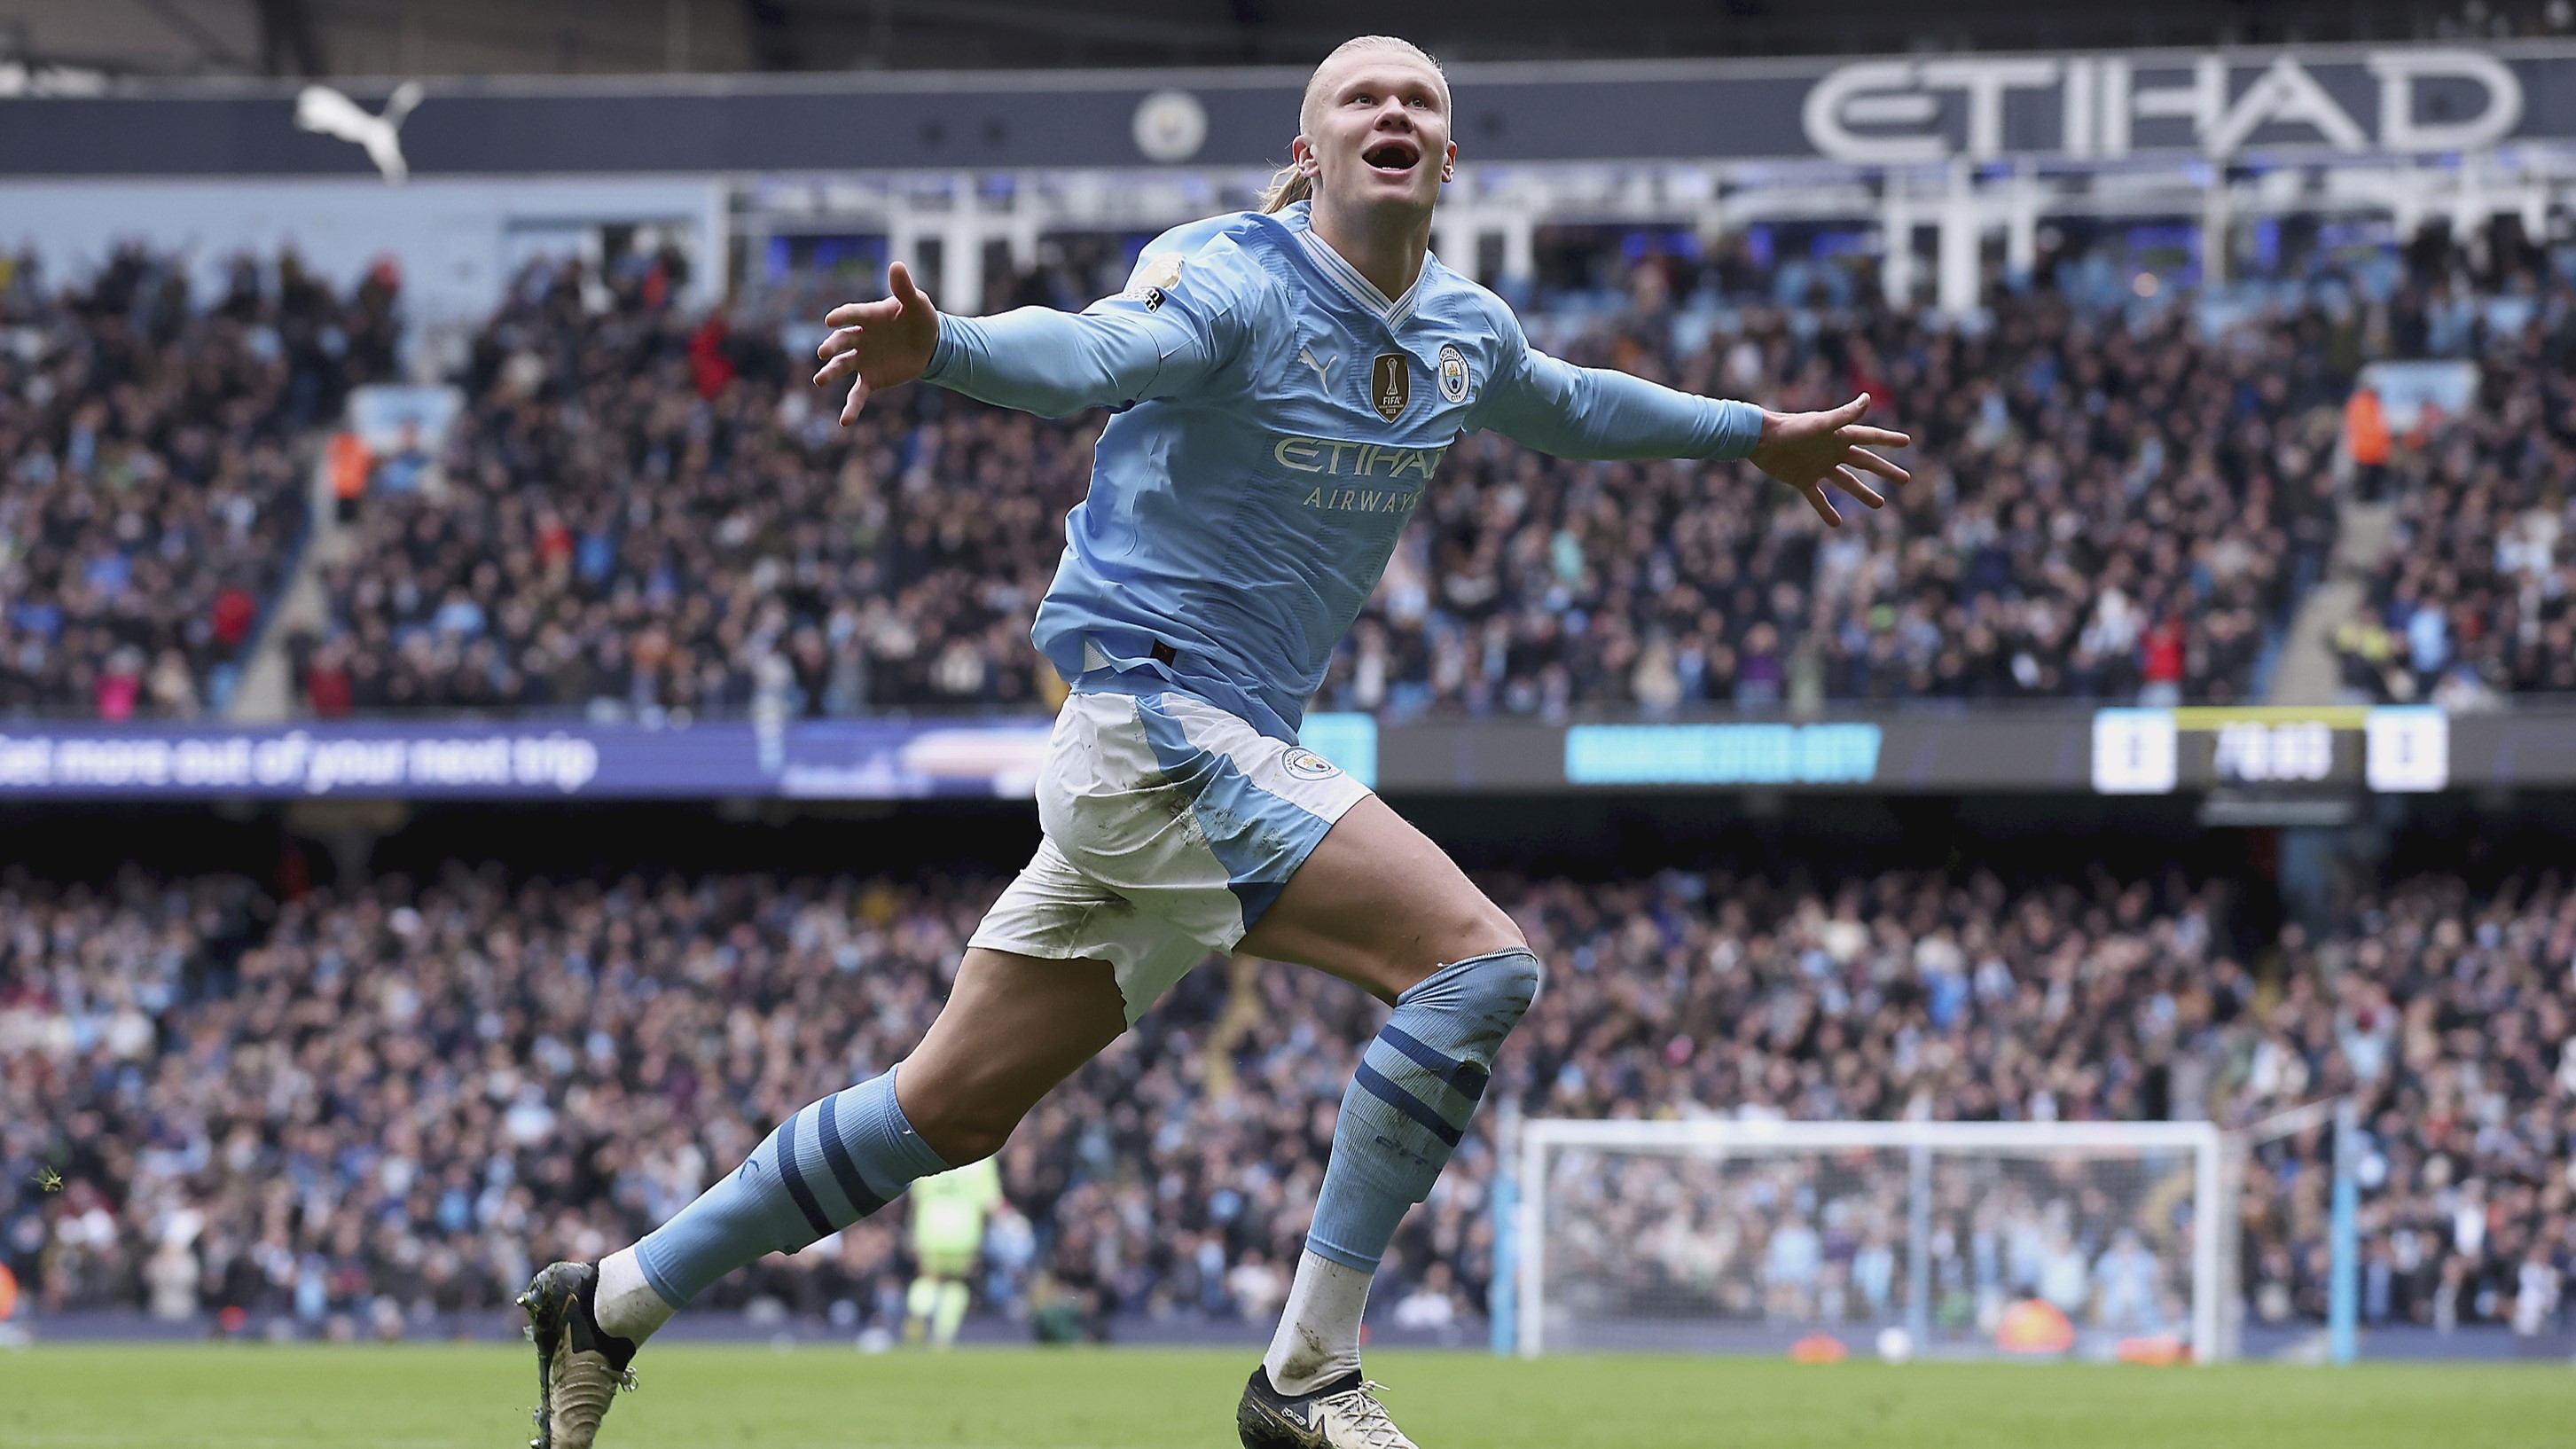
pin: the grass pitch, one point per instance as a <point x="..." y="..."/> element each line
<point x="247" y="1397"/>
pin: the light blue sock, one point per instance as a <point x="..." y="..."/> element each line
<point x="833" y="1163"/>
<point x="1409" y="1102"/>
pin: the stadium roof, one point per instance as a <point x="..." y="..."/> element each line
<point x="406" y="37"/>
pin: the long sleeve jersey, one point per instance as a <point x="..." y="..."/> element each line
<point x="1276" y="418"/>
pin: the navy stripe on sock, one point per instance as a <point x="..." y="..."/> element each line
<point x="836" y="1154"/>
<point x="1467" y="1077"/>
<point x="1407" y="1103"/>
<point x="795" y="1180"/>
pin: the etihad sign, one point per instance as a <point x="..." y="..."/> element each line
<point x="2410" y="100"/>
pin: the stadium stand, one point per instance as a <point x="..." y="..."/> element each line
<point x="645" y="510"/>
<point x="370" y="1113"/>
<point x="149" y="485"/>
<point x="2473" y="599"/>
<point x="2099" y="509"/>
<point x="2449" y="1010"/>
<point x="650" y="511"/>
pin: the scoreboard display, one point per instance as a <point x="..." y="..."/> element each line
<point x="2389" y="750"/>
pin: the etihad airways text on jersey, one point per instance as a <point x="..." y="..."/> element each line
<point x="1337" y="458"/>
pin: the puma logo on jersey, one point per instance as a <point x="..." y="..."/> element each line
<point x="1323" y="369"/>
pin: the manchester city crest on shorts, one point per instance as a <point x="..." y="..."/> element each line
<point x="1305" y="764"/>
<point x="1453" y="373"/>
<point x="1390" y="385"/>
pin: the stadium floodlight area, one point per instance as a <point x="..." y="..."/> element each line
<point x="2081" y="1240"/>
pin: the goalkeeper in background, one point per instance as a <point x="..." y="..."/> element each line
<point x="948" y="1213"/>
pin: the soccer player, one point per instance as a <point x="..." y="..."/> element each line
<point x="947" y="1233"/>
<point x="1283" y="385"/>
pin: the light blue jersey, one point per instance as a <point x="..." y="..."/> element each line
<point x="1277" y="420"/>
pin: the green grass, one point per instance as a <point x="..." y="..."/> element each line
<point x="714" y="1398"/>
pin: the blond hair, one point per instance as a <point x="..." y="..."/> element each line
<point x="1288" y="185"/>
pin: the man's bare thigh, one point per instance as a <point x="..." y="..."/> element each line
<point x="1379" y="905"/>
<point x="1014" y="1027"/>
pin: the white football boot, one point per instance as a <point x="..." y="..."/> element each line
<point x="1343" y="1414"/>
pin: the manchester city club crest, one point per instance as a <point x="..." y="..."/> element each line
<point x="1453" y="373"/>
<point x="1305" y="764"/>
<point x="1390" y="385"/>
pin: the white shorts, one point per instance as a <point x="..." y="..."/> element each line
<point x="1171" y="826"/>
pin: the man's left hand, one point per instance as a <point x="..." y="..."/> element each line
<point x="1809" y="450"/>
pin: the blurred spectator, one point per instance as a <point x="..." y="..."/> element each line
<point x="1429" y="1308"/>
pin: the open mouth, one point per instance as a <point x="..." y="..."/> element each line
<point x="1392" y="157"/>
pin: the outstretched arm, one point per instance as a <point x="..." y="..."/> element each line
<point x="1586" y="412"/>
<point x="1591" y="412"/>
<point x="1035" y="359"/>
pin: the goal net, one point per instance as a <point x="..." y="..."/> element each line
<point x="1945" y="1239"/>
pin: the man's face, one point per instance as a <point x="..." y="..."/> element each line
<point x="1378" y="132"/>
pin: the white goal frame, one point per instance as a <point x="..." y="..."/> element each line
<point x="2213" y="1223"/>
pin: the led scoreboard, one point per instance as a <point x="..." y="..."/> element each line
<point x="2395" y="749"/>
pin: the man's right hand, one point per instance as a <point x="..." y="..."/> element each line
<point x="879" y="344"/>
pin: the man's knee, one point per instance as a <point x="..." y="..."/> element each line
<point x="1468" y="930"/>
<point x="966" y="1134"/>
<point x="1509" y="980"/>
<point x="1487" y="993"/>
<point x="1488" y="929"/>
<point x="963" y="1120"/>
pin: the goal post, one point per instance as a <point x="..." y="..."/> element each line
<point x="1947" y="1239"/>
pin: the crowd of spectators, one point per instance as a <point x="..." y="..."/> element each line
<point x="150" y="494"/>
<point x="2453" y="1015"/>
<point x="647" y="511"/>
<point x="375" y="1111"/>
<point x="2104" y="506"/>
<point x="2476" y="596"/>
